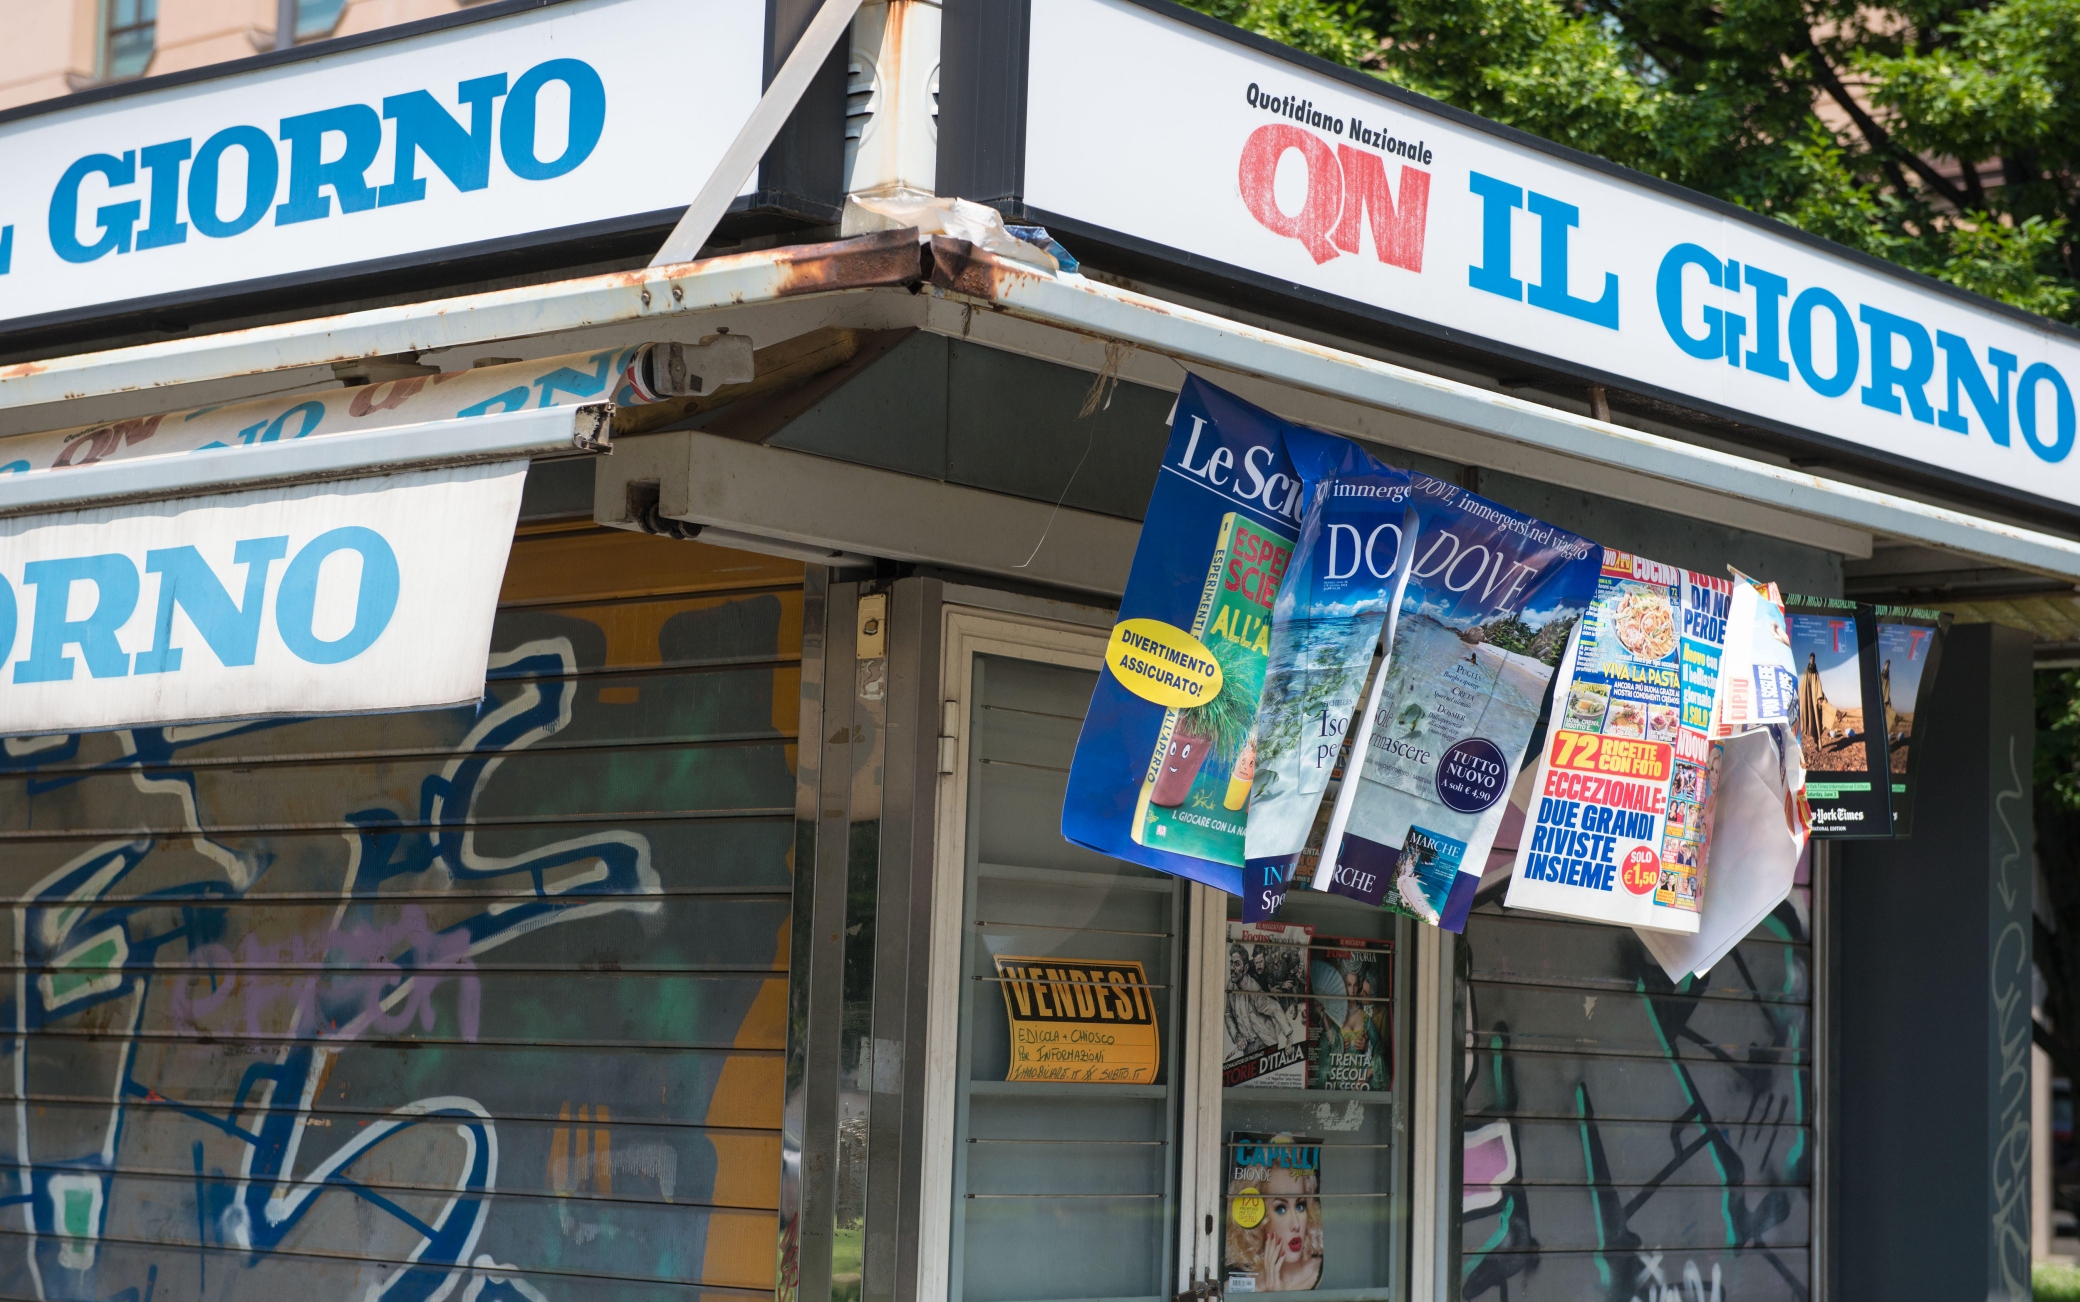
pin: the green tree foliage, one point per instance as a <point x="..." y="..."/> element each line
<point x="1955" y="144"/>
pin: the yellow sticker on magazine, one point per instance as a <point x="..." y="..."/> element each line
<point x="1080" y="1021"/>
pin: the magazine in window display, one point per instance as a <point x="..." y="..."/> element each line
<point x="1353" y="1018"/>
<point x="1162" y="767"/>
<point x="1338" y="597"/>
<point x="1491" y="598"/>
<point x="1264" y="1029"/>
<point x="1910" y="649"/>
<point x="1273" y="1238"/>
<point x="1616" y="828"/>
<point x="1834" y="644"/>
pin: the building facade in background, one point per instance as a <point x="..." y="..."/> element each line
<point x="58" y="47"/>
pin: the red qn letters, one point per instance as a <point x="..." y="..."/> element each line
<point x="1345" y="187"/>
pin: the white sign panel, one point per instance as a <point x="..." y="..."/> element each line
<point x="1204" y="144"/>
<point x="558" y="117"/>
<point x="341" y="598"/>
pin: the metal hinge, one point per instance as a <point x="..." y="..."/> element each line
<point x="949" y="735"/>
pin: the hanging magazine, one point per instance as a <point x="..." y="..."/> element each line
<point x="1273" y="1241"/>
<point x="1353" y="1014"/>
<point x="1338" y="597"/>
<point x="1161" y="773"/>
<point x="1910" y="648"/>
<point x="1265" y="1024"/>
<point x="1617" y="824"/>
<point x="1491" y="598"/>
<point x="1834" y="645"/>
<point x="1758" y="682"/>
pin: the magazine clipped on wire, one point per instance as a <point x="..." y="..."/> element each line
<point x="1162" y="769"/>
<point x="1338" y="601"/>
<point x="1756" y="821"/>
<point x="1910" y="650"/>
<point x="1175" y="769"/>
<point x="1491" y="597"/>
<point x="1616" y="829"/>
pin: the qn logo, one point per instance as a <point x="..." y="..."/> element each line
<point x="314" y="622"/>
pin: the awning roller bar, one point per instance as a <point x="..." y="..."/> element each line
<point x="506" y="436"/>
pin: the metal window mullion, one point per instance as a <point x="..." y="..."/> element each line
<point x="794" y="1100"/>
<point x="1430" y="1122"/>
<point x="1201" y="1157"/>
<point x="902" y="986"/>
<point x="819" y="964"/>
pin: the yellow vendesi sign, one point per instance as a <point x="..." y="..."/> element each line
<point x="1079" y="1020"/>
<point x="1162" y="663"/>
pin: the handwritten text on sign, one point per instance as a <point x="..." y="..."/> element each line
<point x="1080" y="1020"/>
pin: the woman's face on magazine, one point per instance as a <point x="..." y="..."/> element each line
<point x="1285" y="1219"/>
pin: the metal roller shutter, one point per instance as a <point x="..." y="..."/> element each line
<point x="483" y="1004"/>
<point x="1626" y="1138"/>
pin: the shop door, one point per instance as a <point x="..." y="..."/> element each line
<point x="485" y="1003"/>
<point x="1631" y="1137"/>
<point x="1056" y="1190"/>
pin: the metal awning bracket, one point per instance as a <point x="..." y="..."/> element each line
<point x="592" y="428"/>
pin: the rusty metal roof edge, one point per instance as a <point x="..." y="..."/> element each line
<point x="1193" y="335"/>
<point x="885" y="258"/>
<point x="893" y="258"/>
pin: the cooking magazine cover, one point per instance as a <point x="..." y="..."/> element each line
<point x="1353" y="1017"/>
<point x="1617" y="825"/>
<point x="1273" y="1242"/>
<point x="1338" y="598"/>
<point x="1834" y="645"/>
<point x="1910" y="648"/>
<point x="1162" y="768"/>
<point x="1264" y="1029"/>
<point x="1491" y="598"/>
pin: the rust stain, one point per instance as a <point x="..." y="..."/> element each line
<point x="21" y="370"/>
<point x="885" y="258"/>
<point x="864" y="261"/>
<point x="960" y="268"/>
<point x="861" y="262"/>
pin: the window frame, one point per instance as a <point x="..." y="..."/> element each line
<point x="968" y="631"/>
<point x="104" y="45"/>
